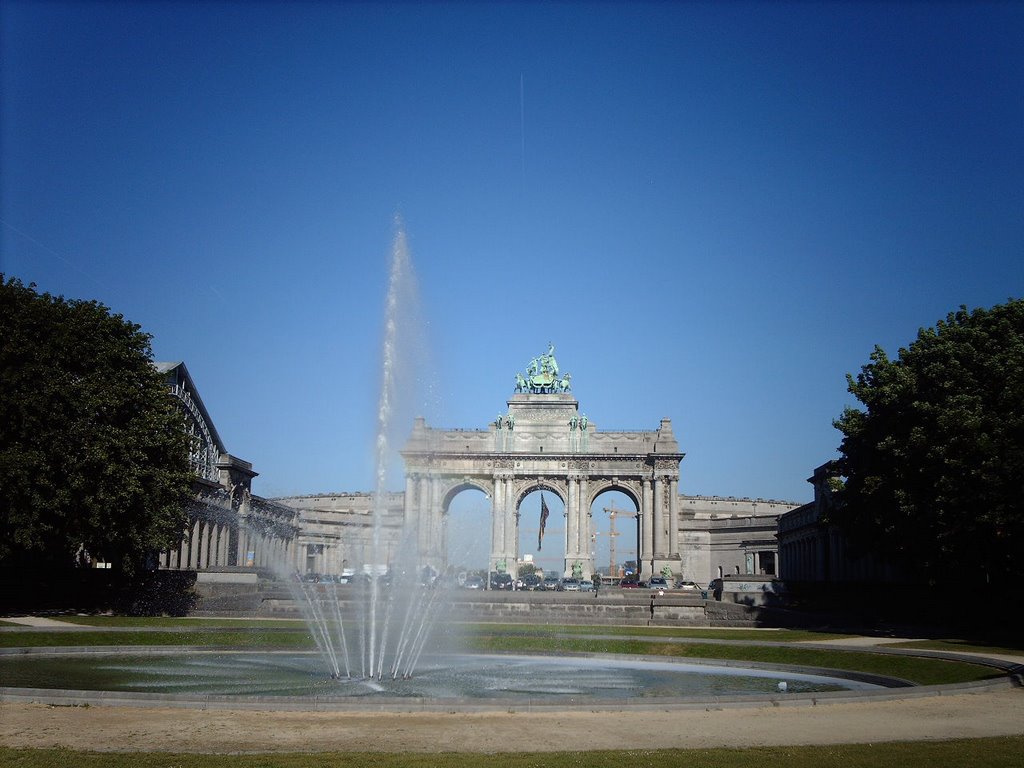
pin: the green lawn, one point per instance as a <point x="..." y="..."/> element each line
<point x="967" y="753"/>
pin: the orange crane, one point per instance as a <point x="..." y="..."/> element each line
<point x="614" y="512"/>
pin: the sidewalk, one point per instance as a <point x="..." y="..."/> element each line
<point x="896" y="643"/>
<point x="42" y="622"/>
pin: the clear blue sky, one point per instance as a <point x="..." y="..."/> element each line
<point x="713" y="210"/>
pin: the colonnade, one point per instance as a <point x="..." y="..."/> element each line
<point x="209" y="545"/>
<point x="220" y="536"/>
<point x="205" y="545"/>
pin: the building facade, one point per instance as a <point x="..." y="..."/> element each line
<point x="541" y="442"/>
<point x="544" y="442"/>
<point x="811" y="550"/>
<point x="228" y="528"/>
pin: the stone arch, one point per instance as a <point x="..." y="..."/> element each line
<point x="627" y="488"/>
<point x="532" y="486"/>
<point x="544" y="443"/>
<point x="454" y="488"/>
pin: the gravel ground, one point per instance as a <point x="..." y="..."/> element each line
<point x="990" y="713"/>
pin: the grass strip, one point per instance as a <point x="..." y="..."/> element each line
<point x="707" y="633"/>
<point x="918" y="670"/>
<point x="1000" y="752"/>
<point x="179" y="621"/>
<point x="297" y="639"/>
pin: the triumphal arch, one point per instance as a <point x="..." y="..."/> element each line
<point x="544" y="442"/>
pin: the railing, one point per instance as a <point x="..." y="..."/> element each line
<point x="204" y="458"/>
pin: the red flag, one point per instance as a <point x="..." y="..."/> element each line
<point x="543" y="520"/>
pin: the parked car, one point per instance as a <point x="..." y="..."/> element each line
<point x="631" y="583"/>
<point x="571" y="585"/>
<point x="586" y="586"/>
<point x="688" y="585"/>
<point x="552" y="584"/>
<point x="531" y="582"/>
<point x="501" y="581"/>
<point x="657" y="582"/>
<point x="473" y="582"/>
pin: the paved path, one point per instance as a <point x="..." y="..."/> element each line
<point x="42" y="622"/>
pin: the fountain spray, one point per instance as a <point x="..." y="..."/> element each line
<point x="399" y="268"/>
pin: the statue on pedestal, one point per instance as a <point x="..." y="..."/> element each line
<point x="542" y="376"/>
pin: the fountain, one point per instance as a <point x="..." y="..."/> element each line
<point x="396" y="610"/>
<point x="296" y="680"/>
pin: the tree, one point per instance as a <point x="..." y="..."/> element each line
<point x="526" y="569"/>
<point x="93" y="452"/>
<point x="934" y="464"/>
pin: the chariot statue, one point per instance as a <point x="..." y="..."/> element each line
<point x="542" y="376"/>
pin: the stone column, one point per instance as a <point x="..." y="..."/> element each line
<point x="422" y="512"/>
<point x="212" y="559"/>
<point x="585" y="526"/>
<point x="214" y="545"/>
<point x="209" y="545"/>
<point x="443" y="537"/>
<point x="244" y="545"/>
<point x="673" y="518"/>
<point x="572" y="525"/>
<point x="255" y="544"/>
<point x="240" y="543"/>
<point x="435" y="518"/>
<point x="409" y="504"/>
<point x="227" y="533"/>
<point x="646" y="554"/>
<point x="193" y="547"/>
<point x="497" y="521"/>
<point x="659" y="517"/>
<point x="200" y="561"/>
<point x="222" y="545"/>
<point x="511" y="528"/>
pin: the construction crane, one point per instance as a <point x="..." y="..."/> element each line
<point x="614" y="512"/>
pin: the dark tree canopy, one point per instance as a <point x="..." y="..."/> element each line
<point x="934" y="464"/>
<point x="93" y="452"/>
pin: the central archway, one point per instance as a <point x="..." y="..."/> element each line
<point x="541" y="516"/>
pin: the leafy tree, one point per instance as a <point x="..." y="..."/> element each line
<point x="934" y="464"/>
<point x="93" y="452"/>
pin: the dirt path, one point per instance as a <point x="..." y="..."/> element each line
<point x="993" y="713"/>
